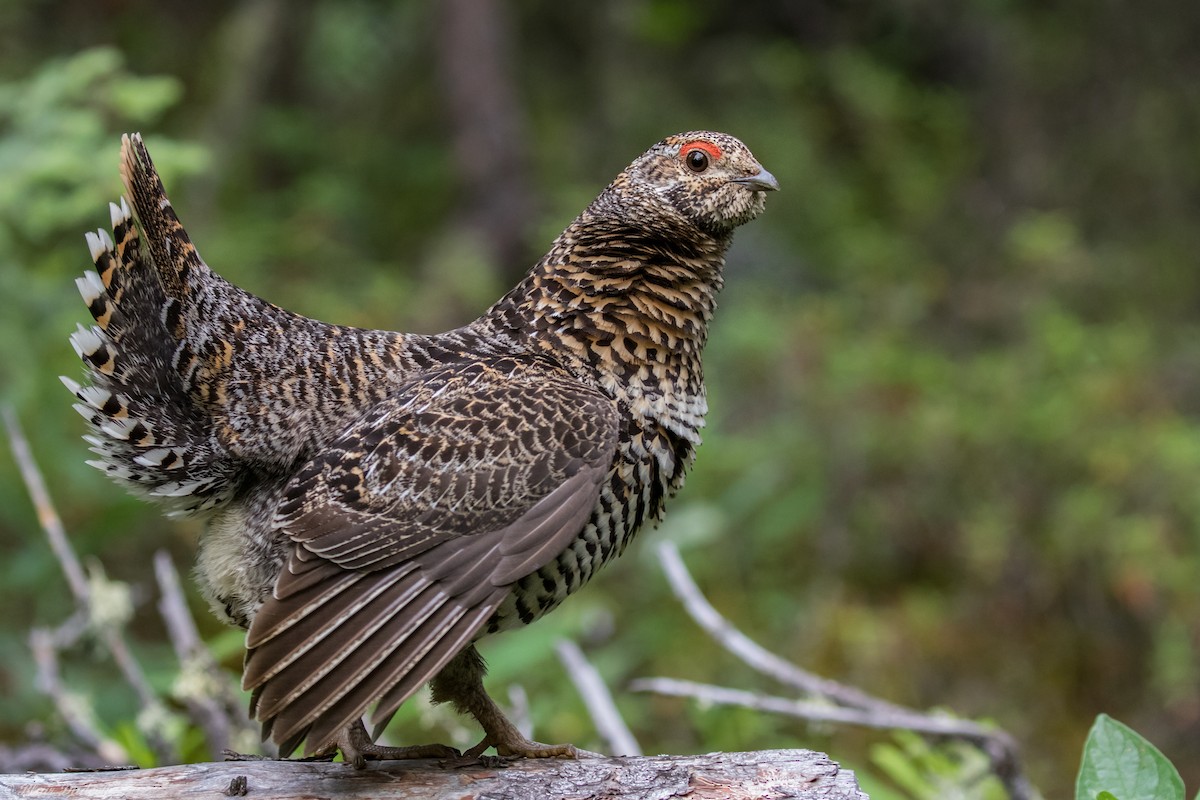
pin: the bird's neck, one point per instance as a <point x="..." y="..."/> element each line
<point x="629" y="308"/>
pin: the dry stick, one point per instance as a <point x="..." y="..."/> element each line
<point x="749" y="651"/>
<point x="806" y="709"/>
<point x="1000" y="748"/>
<point x="518" y="710"/>
<point x="45" y="658"/>
<point x="173" y="607"/>
<point x="47" y="517"/>
<point x="609" y="723"/>
<point x="52" y="525"/>
<point x="218" y="716"/>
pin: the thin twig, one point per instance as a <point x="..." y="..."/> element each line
<point x="47" y="517"/>
<point x="996" y="744"/>
<point x="815" y="711"/>
<point x="850" y="705"/>
<point x="74" y="713"/>
<point x="110" y="636"/>
<point x="609" y="723"/>
<point x="518" y="710"/>
<point x="174" y="609"/>
<point x="208" y="700"/>
<point x="132" y="671"/>
<point x="749" y="651"/>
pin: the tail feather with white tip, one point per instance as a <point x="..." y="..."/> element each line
<point x="148" y="431"/>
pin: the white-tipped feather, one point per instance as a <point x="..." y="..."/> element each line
<point x="118" y="214"/>
<point x="72" y="385"/>
<point x="87" y="412"/>
<point x="175" y="489"/>
<point x="96" y="442"/>
<point x="95" y="246"/>
<point x="85" y="291"/>
<point x="94" y="396"/>
<point x="106" y="238"/>
<point x="158" y="458"/>
<point x="86" y="340"/>
<point x="122" y="427"/>
<point x="114" y="470"/>
<point x="93" y="280"/>
<point x="90" y="287"/>
<point x="116" y="430"/>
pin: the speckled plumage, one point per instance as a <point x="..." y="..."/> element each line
<point x="377" y="501"/>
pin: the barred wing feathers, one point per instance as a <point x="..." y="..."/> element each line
<point x="409" y="531"/>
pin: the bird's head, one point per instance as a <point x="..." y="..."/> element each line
<point x="711" y="179"/>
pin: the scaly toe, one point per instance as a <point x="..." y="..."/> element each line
<point x="357" y="747"/>
<point x="528" y="749"/>
<point x="523" y="748"/>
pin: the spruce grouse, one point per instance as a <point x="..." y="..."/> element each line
<point x="376" y="502"/>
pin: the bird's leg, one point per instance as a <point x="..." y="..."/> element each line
<point x="461" y="683"/>
<point x="356" y="746"/>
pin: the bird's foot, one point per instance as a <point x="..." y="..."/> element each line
<point x="514" y="745"/>
<point x="356" y="747"/>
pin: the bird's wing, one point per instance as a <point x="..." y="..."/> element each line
<point x="409" y="530"/>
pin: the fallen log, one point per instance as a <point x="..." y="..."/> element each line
<point x="796" y="774"/>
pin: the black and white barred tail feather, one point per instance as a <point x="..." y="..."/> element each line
<point x="147" y="433"/>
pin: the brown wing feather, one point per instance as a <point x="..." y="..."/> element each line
<point x="409" y="531"/>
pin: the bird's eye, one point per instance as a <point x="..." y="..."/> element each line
<point x="697" y="160"/>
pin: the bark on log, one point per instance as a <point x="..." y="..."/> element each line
<point x="797" y="774"/>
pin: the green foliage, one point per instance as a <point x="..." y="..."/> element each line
<point x="1119" y="764"/>
<point x="55" y="121"/>
<point x="926" y="771"/>
<point x="955" y="427"/>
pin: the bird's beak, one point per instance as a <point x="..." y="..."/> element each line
<point x="763" y="181"/>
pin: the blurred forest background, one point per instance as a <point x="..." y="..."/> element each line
<point x="954" y="452"/>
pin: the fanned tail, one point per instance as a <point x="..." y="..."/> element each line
<point x="149" y="434"/>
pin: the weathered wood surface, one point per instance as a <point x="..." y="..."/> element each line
<point x="795" y="774"/>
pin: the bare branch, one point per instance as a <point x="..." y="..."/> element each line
<point x="174" y="609"/>
<point x="202" y="686"/>
<point x="749" y="651"/>
<point x="75" y="713"/>
<point x="47" y="516"/>
<point x="518" y="710"/>
<point x="609" y="723"/>
<point x="847" y="704"/>
<point x="816" y="711"/>
<point x="109" y="635"/>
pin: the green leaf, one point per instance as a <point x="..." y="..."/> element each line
<point x="1119" y="764"/>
